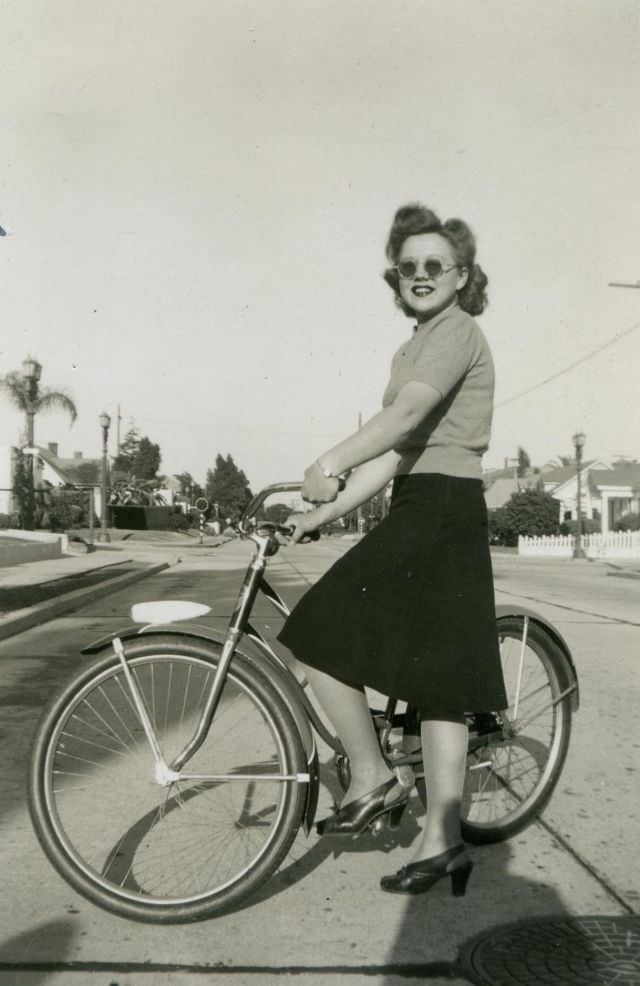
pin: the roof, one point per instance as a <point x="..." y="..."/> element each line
<point x="79" y="471"/>
<point x="564" y="474"/>
<point x="499" y="492"/>
<point x="621" y="475"/>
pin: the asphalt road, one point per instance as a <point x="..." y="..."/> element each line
<point x="323" y="919"/>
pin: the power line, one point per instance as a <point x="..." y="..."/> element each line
<point x="571" y="366"/>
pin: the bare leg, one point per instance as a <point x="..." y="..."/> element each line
<point x="444" y="748"/>
<point x="347" y="708"/>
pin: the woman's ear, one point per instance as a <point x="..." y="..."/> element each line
<point x="463" y="278"/>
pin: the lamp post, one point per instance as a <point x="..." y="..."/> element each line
<point x="105" y="421"/>
<point x="31" y="372"/>
<point x="578" y="442"/>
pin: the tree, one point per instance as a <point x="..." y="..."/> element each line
<point x="529" y="512"/>
<point x="188" y="485"/>
<point x="23" y="390"/>
<point x="28" y="396"/>
<point x="139" y="457"/>
<point x="227" y="486"/>
<point x="524" y="462"/>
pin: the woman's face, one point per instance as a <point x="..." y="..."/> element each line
<point x="425" y="293"/>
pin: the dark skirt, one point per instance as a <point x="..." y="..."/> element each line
<point x="409" y="611"/>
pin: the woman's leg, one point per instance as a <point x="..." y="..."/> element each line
<point x="348" y="710"/>
<point x="444" y="749"/>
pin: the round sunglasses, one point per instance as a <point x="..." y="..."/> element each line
<point x="432" y="266"/>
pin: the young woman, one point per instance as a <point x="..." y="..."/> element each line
<point x="409" y="610"/>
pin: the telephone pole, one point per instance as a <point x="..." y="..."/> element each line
<point x="359" y="521"/>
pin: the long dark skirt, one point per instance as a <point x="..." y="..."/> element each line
<point x="409" y="611"/>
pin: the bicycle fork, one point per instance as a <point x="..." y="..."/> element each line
<point x="167" y="774"/>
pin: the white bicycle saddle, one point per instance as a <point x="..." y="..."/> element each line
<point x="167" y="611"/>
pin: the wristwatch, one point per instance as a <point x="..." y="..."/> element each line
<point x="328" y="474"/>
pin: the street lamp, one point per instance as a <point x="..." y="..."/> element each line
<point x="105" y="421"/>
<point x="578" y="443"/>
<point x="31" y="372"/>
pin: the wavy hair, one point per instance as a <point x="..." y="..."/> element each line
<point x="414" y="219"/>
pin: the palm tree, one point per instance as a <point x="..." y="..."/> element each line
<point x="24" y="392"/>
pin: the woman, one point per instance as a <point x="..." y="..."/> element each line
<point x="409" y="611"/>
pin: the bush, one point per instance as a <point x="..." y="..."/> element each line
<point x="5" y="522"/>
<point x="630" y="522"/>
<point x="530" y="512"/>
<point x="178" y="520"/>
<point x="588" y="526"/>
<point x="500" y="529"/>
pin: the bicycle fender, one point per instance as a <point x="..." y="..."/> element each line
<point x="512" y="609"/>
<point x="278" y="677"/>
<point x="313" y="790"/>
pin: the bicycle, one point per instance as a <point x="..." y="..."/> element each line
<point x="170" y="776"/>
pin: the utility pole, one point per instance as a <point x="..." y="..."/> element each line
<point x="359" y="521"/>
<point x="118" y="420"/>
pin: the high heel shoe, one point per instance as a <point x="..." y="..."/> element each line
<point x="418" y="877"/>
<point x="354" y="817"/>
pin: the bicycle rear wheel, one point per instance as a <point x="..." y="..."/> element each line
<point x="516" y="756"/>
<point x="185" y="851"/>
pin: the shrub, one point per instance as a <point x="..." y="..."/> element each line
<point x="178" y="521"/>
<point x="530" y="512"/>
<point x="5" y="522"/>
<point x="630" y="522"/>
<point x="588" y="526"/>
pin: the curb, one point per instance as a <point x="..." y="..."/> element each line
<point x="51" y="608"/>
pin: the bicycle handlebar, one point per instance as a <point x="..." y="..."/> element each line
<point x="254" y="505"/>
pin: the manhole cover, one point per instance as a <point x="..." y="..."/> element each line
<point x="589" y="951"/>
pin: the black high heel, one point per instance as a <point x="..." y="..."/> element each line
<point x="354" y="817"/>
<point x="418" y="877"/>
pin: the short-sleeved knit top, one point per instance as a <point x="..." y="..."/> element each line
<point x="451" y="354"/>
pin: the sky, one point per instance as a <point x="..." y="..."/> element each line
<point x="197" y="195"/>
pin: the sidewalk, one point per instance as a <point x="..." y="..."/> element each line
<point x="35" y="592"/>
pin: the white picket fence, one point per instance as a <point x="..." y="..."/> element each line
<point x="618" y="545"/>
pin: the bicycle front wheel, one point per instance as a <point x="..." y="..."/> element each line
<point x="516" y="756"/>
<point x="197" y="846"/>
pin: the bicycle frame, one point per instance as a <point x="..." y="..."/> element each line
<point x="309" y="724"/>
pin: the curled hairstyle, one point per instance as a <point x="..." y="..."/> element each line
<point x="414" y="219"/>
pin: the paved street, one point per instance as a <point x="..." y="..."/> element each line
<point x="323" y="918"/>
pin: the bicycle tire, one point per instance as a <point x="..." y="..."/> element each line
<point x="182" y="852"/>
<point x="512" y="774"/>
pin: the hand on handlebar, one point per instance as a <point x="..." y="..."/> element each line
<point x="302" y="526"/>
<point x="318" y="488"/>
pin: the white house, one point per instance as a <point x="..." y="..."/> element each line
<point x="607" y="492"/>
<point x="50" y="471"/>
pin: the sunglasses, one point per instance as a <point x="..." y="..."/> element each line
<point x="432" y="266"/>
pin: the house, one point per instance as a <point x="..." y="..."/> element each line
<point x="607" y="492"/>
<point x="77" y="471"/>
<point x="501" y="484"/>
<point x="50" y="470"/>
<point x="500" y="492"/>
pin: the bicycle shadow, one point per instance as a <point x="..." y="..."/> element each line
<point x="298" y="869"/>
<point x="15" y="952"/>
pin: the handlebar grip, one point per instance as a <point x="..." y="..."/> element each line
<point x="288" y="531"/>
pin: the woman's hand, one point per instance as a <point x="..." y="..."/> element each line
<point x="302" y="524"/>
<point x="318" y="488"/>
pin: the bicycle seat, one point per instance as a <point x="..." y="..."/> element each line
<point x="167" y="611"/>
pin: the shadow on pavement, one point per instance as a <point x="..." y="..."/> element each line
<point x="438" y="916"/>
<point x="16" y="954"/>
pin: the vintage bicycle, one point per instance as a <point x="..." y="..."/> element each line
<point x="171" y="774"/>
